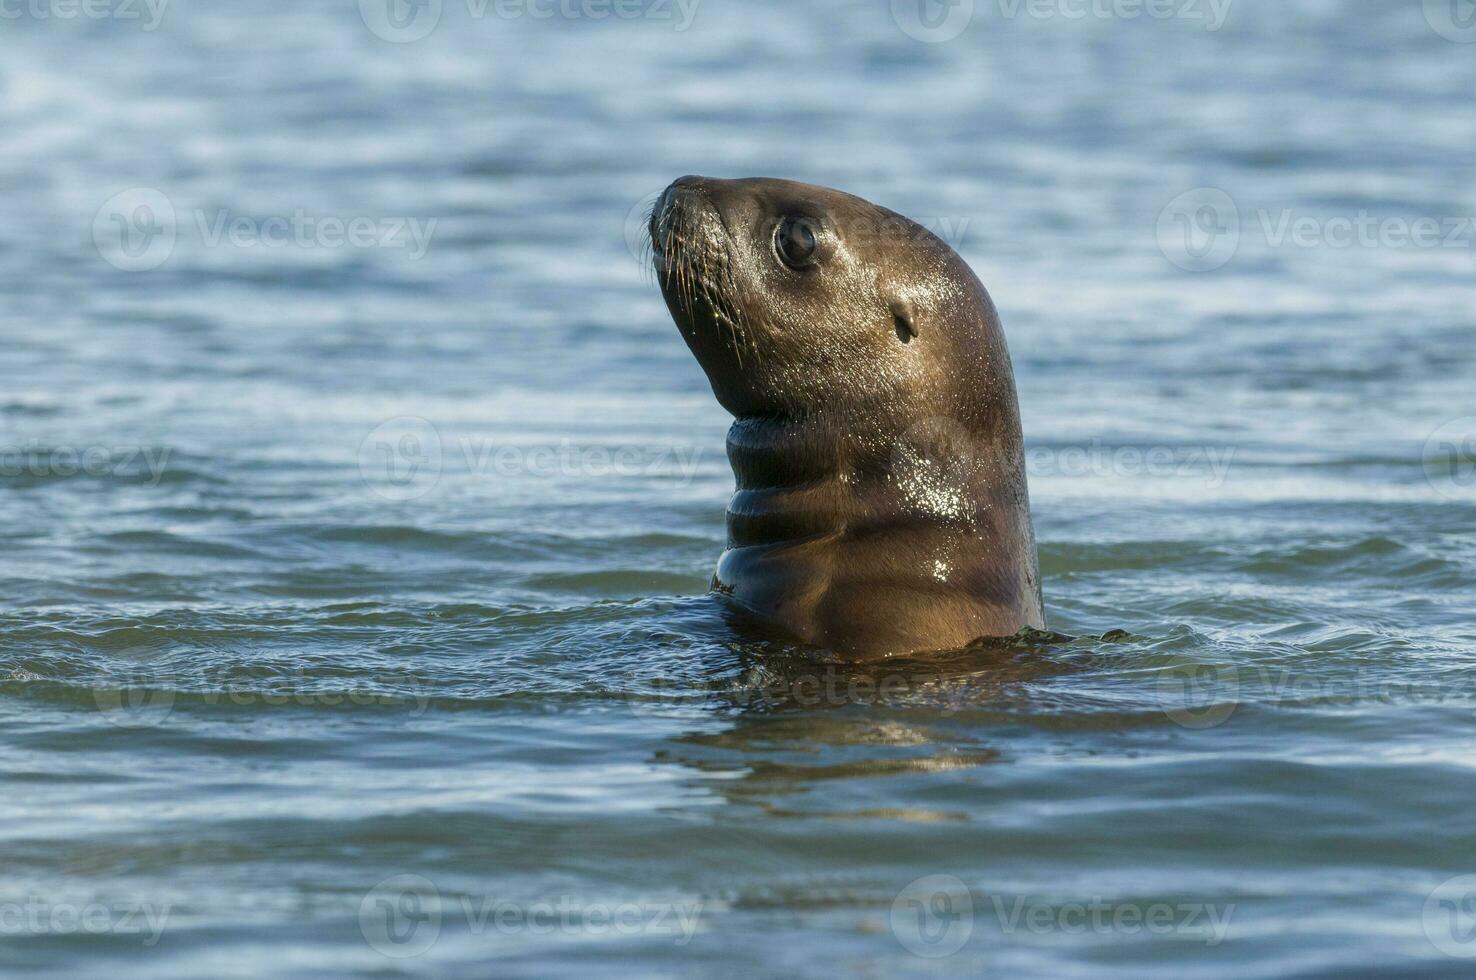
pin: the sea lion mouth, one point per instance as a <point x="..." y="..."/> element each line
<point x="692" y="254"/>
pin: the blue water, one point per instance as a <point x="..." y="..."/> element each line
<point x="351" y="599"/>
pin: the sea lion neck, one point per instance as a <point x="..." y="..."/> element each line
<point x="841" y="444"/>
<point x="791" y="479"/>
<point x="802" y="477"/>
<point x="781" y="450"/>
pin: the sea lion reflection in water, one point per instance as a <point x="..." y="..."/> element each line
<point x="881" y="505"/>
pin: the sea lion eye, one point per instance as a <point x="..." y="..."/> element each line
<point x="797" y="241"/>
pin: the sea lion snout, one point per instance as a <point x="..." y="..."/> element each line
<point x="669" y="205"/>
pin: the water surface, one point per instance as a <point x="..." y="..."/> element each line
<point x="351" y="603"/>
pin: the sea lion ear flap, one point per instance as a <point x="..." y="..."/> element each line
<point x="905" y="320"/>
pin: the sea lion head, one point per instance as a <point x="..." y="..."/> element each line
<point x="797" y="299"/>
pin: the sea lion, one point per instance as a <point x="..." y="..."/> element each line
<point x="881" y="504"/>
